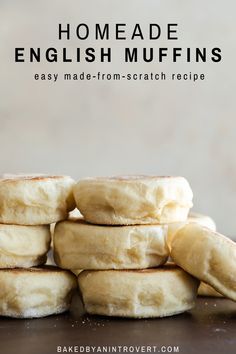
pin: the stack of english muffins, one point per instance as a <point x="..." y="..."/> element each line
<point x="130" y="226"/>
<point x="28" y="205"/>
<point x="120" y="247"/>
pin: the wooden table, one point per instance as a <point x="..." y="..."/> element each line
<point x="209" y="328"/>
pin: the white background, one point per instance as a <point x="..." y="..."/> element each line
<point x="107" y="128"/>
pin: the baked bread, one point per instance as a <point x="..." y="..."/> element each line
<point x="133" y="200"/>
<point x="207" y="255"/>
<point x="159" y="292"/>
<point x="79" y="245"/>
<point x="203" y="220"/>
<point x="197" y="218"/>
<point x="207" y="290"/>
<point x="35" y="200"/>
<point x="23" y="246"/>
<point x="35" y="292"/>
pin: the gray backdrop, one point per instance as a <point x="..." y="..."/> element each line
<point x="108" y="128"/>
